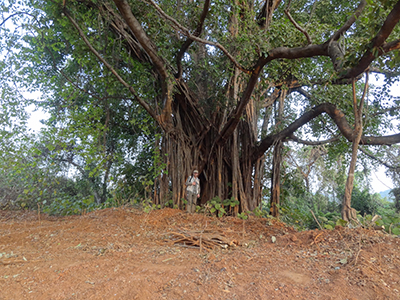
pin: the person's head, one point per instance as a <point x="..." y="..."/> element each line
<point x="195" y="173"/>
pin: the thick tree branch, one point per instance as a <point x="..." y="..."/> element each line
<point x="298" y="27"/>
<point x="119" y="26"/>
<point x="137" y="29"/>
<point x="167" y="85"/>
<point x="297" y="52"/>
<point x="394" y="45"/>
<point x="185" y="31"/>
<point x="280" y="52"/>
<point x="377" y="46"/>
<point x="119" y="78"/>
<point x="264" y="17"/>
<point x="234" y="119"/>
<point x="337" y="116"/>
<point x="189" y="41"/>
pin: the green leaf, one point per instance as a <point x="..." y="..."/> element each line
<point x="396" y="230"/>
<point x="341" y="222"/>
<point x="343" y="261"/>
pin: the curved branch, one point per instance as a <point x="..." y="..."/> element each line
<point x="18" y="13"/>
<point x="280" y="52"/>
<point x="234" y="119"/>
<point x="337" y="116"/>
<point x="386" y="164"/>
<point x="377" y="46"/>
<point x="189" y="41"/>
<point x="137" y="29"/>
<point x="298" y="27"/>
<point x="185" y="31"/>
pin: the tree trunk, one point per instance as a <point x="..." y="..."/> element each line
<point x="276" y="180"/>
<point x="277" y="160"/>
<point x="349" y="213"/>
<point x="226" y="169"/>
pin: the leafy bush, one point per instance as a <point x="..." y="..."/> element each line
<point x="69" y="206"/>
<point x="391" y="221"/>
<point x="217" y="206"/>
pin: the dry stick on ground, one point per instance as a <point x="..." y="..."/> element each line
<point x="316" y="220"/>
<point x="359" y="250"/>
<point x="209" y="239"/>
<point x="20" y="261"/>
<point x="347" y="246"/>
<point x="201" y="236"/>
<point x="379" y="256"/>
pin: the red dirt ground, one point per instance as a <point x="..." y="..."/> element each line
<point x="125" y="253"/>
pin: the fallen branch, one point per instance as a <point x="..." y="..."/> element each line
<point x="201" y="239"/>
<point x="13" y="262"/>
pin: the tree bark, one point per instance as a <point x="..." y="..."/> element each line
<point x="349" y="213"/>
<point x="277" y="160"/>
<point x="276" y="180"/>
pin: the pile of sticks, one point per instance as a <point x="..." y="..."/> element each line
<point x="205" y="239"/>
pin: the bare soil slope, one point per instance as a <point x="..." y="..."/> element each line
<point x="128" y="254"/>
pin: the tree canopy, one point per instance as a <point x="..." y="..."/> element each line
<point x="218" y="86"/>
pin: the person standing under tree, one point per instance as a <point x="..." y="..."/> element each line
<point x="192" y="191"/>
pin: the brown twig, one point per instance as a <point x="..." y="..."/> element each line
<point x="185" y="31"/>
<point x="5" y="263"/>
<point x="359" y="250"/>
<point x="301" y="29"/>
<point x="316" y="220"/>
<point x="203" y="239"/>
<point x="315" y="240"/>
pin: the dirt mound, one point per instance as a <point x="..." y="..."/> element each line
<point x="168" y="254"/>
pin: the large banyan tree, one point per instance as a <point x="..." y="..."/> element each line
<point x="215" y="77"/>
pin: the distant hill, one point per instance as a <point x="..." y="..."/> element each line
<point x="386" y="194"/>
